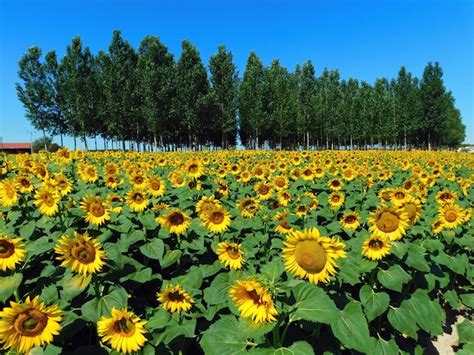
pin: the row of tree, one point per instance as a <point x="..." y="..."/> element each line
<point x="148" y="98"/>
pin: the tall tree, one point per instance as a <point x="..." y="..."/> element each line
<point x="33" y="91"/>
<point x="156" y="75"/>
<point x="224" y="91"/>
<point x="306" y="96"/>
<point x="192" y="89"/>
<point x="251" y="114"/>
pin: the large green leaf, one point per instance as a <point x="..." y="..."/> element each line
<point x="101" y="306"/>
<point x="273" y="270"/>
<point x="466" y="331"/>
<point x="171" y="257"/>
<point x="313" y="304"/>
<point x="375" y="303"/>
<point x="351" y="328"/>
<point x="154" y="249"/>
<point x="384" y="347"/>
<point x="223" y="337"/>
<point x="416" y="259"/>
<point x="217" y="292"/>
<point x="8" y="285"/>
<point x="158" y="320"/>
<point x="393" y="278"/>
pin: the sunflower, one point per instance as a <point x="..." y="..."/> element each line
<point x="437" y="226"/>
<point x="350" y="220"/>
<point x="194" y="168"/>
<point x="88" y="173"/>
<point x="389" y="222"/>
<point x="12" y="252"/>
<point x="8" y="193"/>
<point x="335" y="184"/>
<point x="24" y="183"/>
<point x="123" y="330"/>
<point x="336" y="200"/>
<point x="28" y="324"/>
<point x="446" y="197"/>
<point x="138" y="180"/>
<point x="206" y="204"/>
<point x="155" y="186"/>
<point x="47" y="201"/>
<point x="63" y="184"/>
<point x="451" y="215"/>
<point x="386" y="194"/>
<point x="176" y="221"/>
<point x="376" y="247"/>
<point x="136" y="200"/>
<point x="217" y="220"/>
<point x="112" y="181"/>
<point x="80" y="253"/>
<point x="284" y="198"/>
<point x="175" y="299"/>
<point x="263" y="190"/>
<point x="231" y="255"/>
<point x="280" y="182"/>
<point x="308" y="255"/>
<point x="97" y="211"/>
<point x="412" y="207"/>
<point x="248" y="207"/>
<point x="254" y="301"/>
<point x="282" y="227"/>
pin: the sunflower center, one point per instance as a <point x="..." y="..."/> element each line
<point x="193" y="168"/>
<point x="155" y="185"/>
<point x="25" y="183"/>
<point x="30" y="323"/>
<point x="410" y="209"/>
<point x="253" y="295"/>
<point x="83" y="252"/>
<point x="335" y="198"/>
<point x="125" y="326"/>
<point x="451" y="216"/>
<point x="176" y="296"/>
<point x="138" y="198"/>
<point x="387" y="222"/>
<point x="176" y="218"/>
<point x="311" y="256"/>
<point x="217" y="217"/>
<point x="263" y="190"/>
<point x="445" y="196"/>
<point x="280" y="183"/>
<point x="233" y="252"/>
<point x="399" y="195"/>
<point x="350" y="219"/>
<point x="375" y="244"/>
<point x="97" y="209"/>
<point x="48" y="200"/>
<point x="7" y="249"/>
<point x="335" y="183"/>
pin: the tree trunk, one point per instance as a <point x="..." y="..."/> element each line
<point x="62" y="141"/>
<point x="85" y="142"/>
<point x="95" y="142"/>
<point x="123" y="145"/>
<point x="75" y="143"/>
<point x="351" y="142"/>
<point x="44" y="138"/>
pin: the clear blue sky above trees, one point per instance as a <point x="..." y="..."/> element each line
<point x="363" y="39"/>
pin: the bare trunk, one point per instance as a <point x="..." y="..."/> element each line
<point x="44" y="138"/>
<point x="85" y="142"/>
<point x="95" y="142"/>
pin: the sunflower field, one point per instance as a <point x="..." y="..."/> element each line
<point x="227" y="252"/>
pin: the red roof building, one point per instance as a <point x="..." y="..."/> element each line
<point x="15" y="148"/>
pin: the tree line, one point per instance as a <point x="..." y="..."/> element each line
<point x="148" y="99"/>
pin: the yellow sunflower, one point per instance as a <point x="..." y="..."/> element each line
<point x="80" y="253"/>
<point x="446" y="197"/>
<point x="8" y="193"/>
<point x="335" y="184"/>
<point x="155" y="186"/>
<point x="376" y="247"/>
<point x="123" y="330"/>
<point x="194" y="168"/>
<point x="231" y="255"/>
<point x="310" y="256"/>
<point x="336" y="200"/>
<point x="97" y="211"/>
<point x="12" y="252"/>
<point x="437" y="226"/>
<point x="137" y="200"/>
<point x="28" y="324"/>
<point x="217" y="220"/>
<point x="350" y="220"/>
<point x="176" y="221"/>
<point x="63" y="184"/>
<point x="282" y="227"/>
<point x="451" y="215"/>
<point x="284" y="197"/>
<point x="206" y="204"/>
<point x="389" y="222"/>
<point x="412" y="207"/>
<point x="175" y="299"/>
<point x="264" y="191"/>
<point x="248" y="207"/>
<point x="254" y="301"/>
<point x="24" y="183"/>
<point x="47" y="201"/>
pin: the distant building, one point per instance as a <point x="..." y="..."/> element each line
<point x="15" y="148"/>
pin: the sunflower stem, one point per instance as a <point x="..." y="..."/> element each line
<point x="276" y="337"/>
<point x="17" y="295"/>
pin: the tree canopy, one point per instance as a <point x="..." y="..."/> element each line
<point x="149" y="99"/>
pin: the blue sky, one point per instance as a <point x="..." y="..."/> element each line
<point x="363" y="39"/>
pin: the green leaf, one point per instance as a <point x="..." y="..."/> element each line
<point x="170" y="258"/>
<point x="217" y="292"/>
<point x="313" y="304"/>
<point x="273" y="270"/>
<point x="148" y="220"/>
<point x="393" y="278"/>
<point x="466" y="331"/>
<point x="383" y="347"/>
<point x="399" y="249"/>
<point x="101" y="306"/>
<point x="154" y="249"/>
<point x="416" y="259"/>
<point x="223" y="337"/>
<point x="375" y="303"/>
<point x="351" y="328"/>
<point x="468" y="299"/>
<point x="27" y="230"/>
<point x="158" y="320"/>
<point x="452" y="298"/>
<point x="139" y="276"/>
<point x="403" y="320"/>
<point x="297" y="348"/>
<point x="126" y="240"/>
<point x="8" y="285"/>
